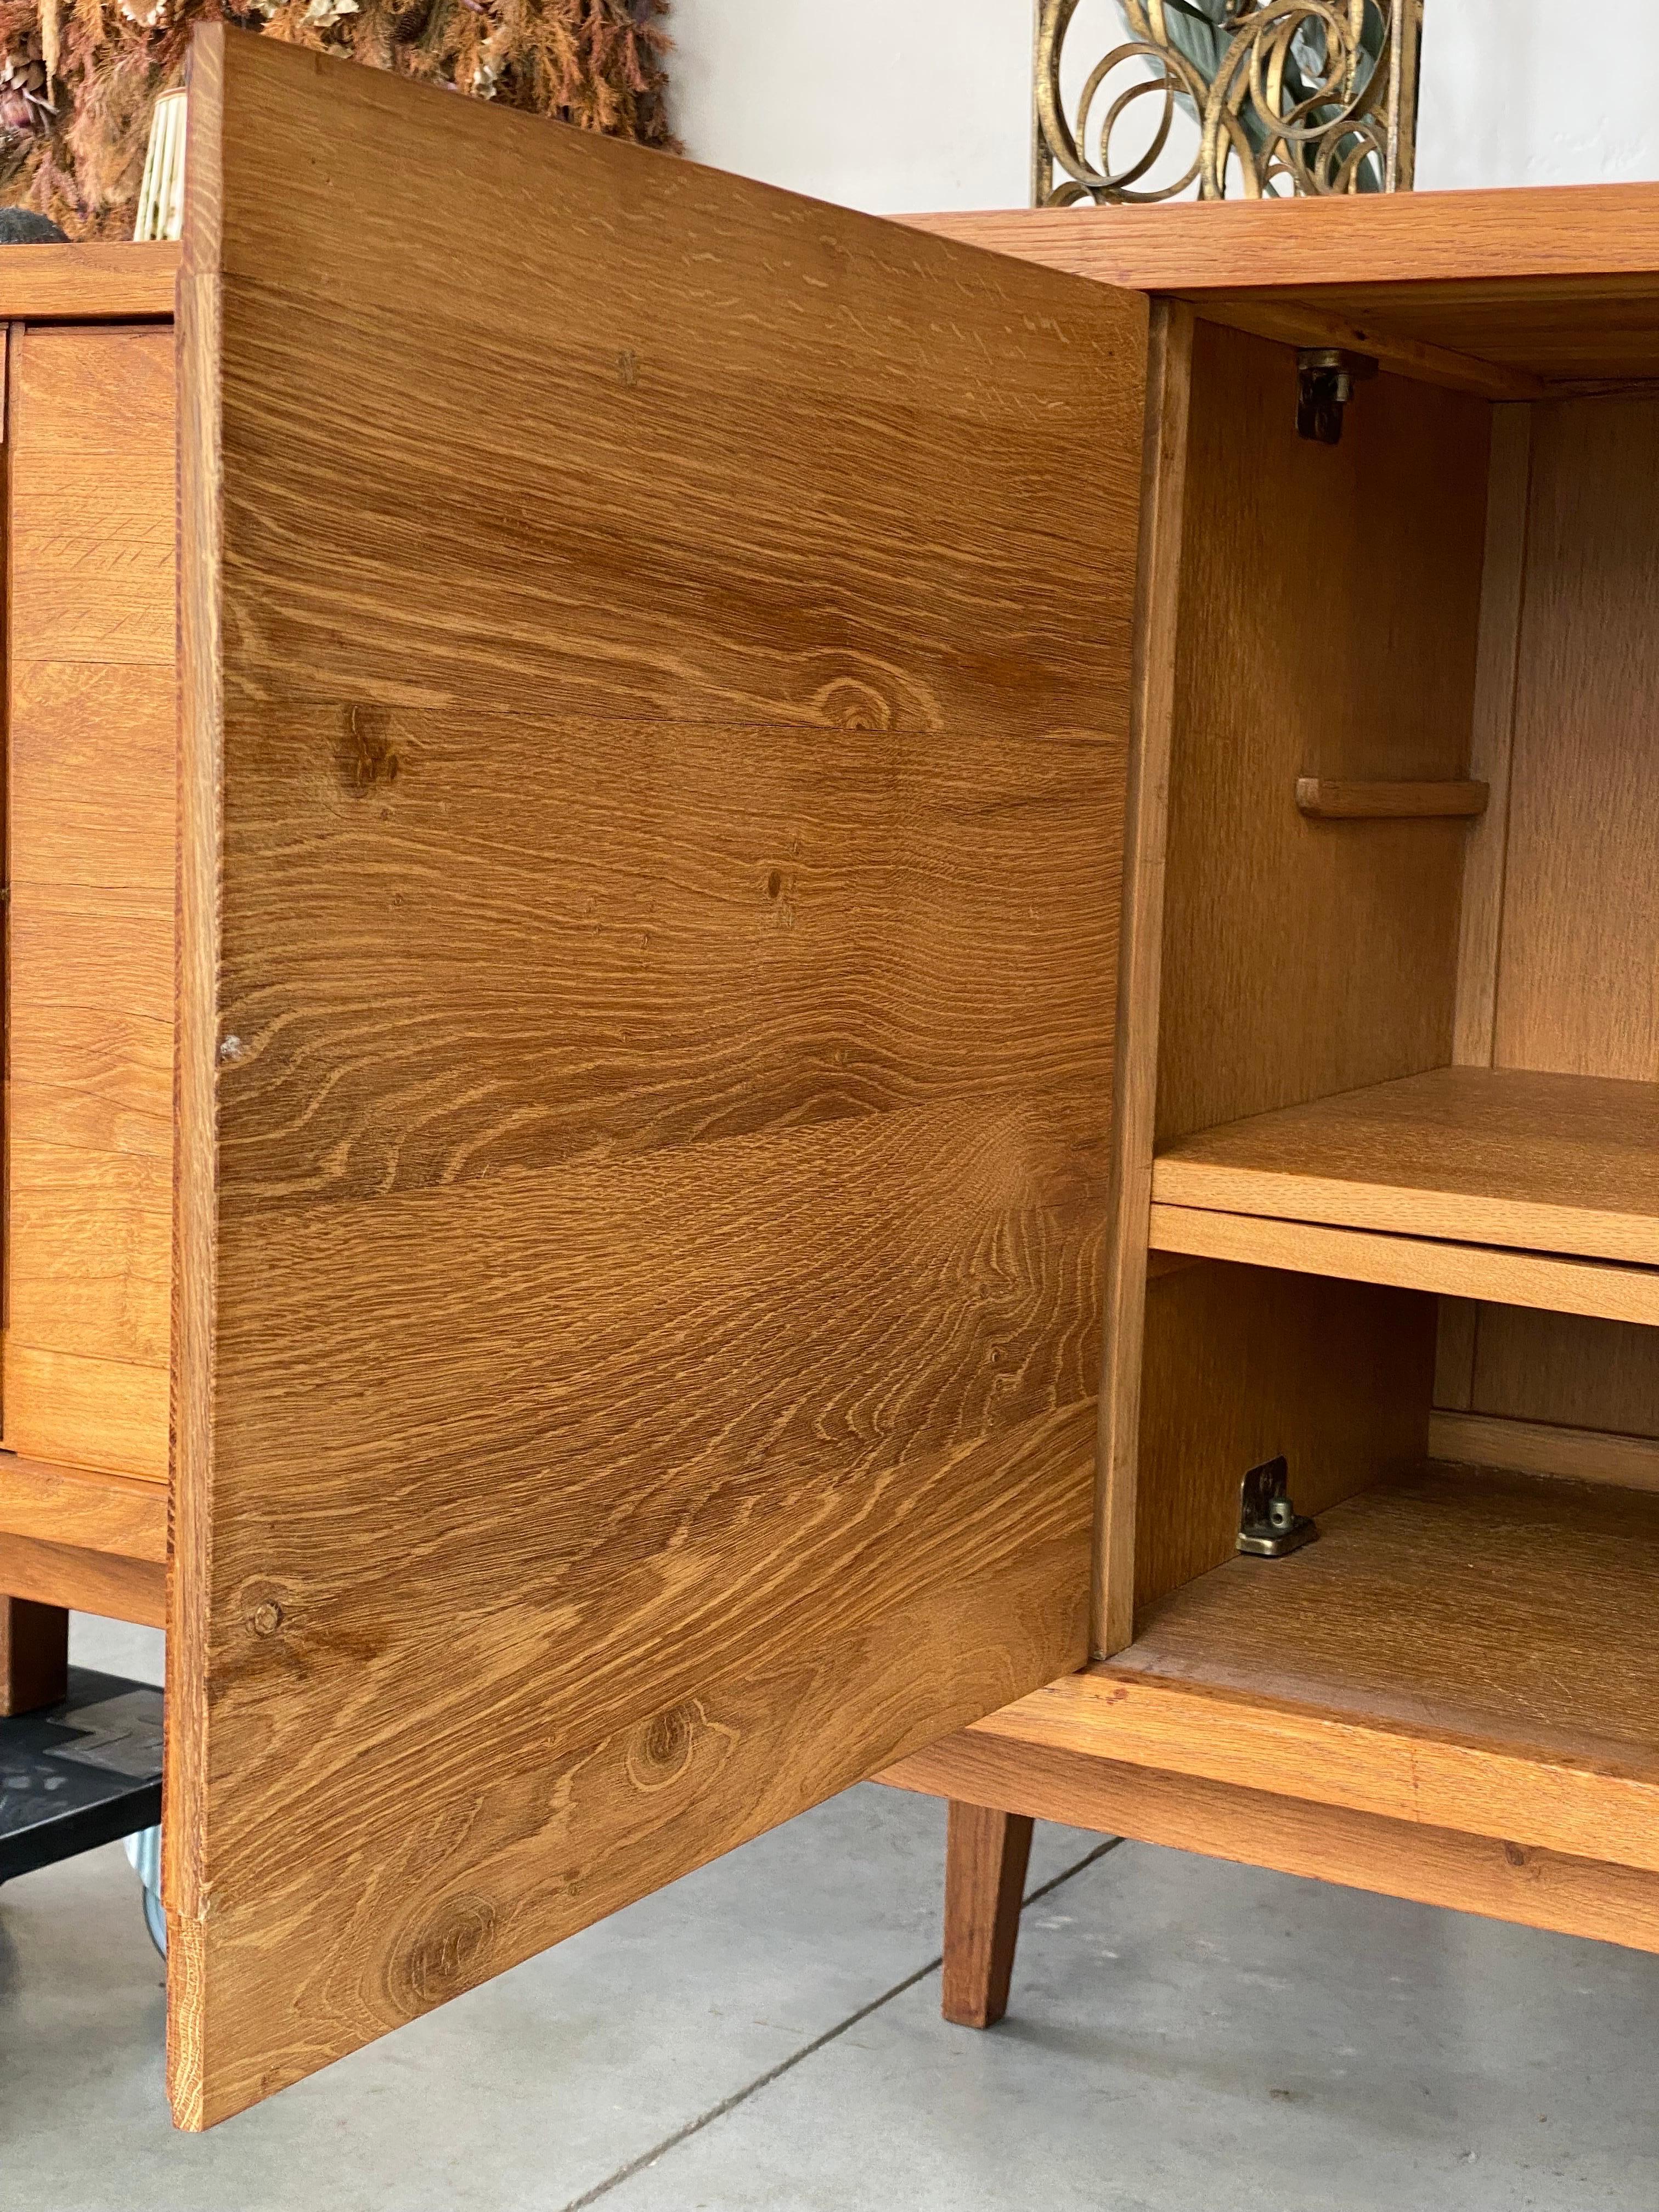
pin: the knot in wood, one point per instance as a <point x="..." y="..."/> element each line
<point x="662" y="1749"/>
<point x="448" y="1954"/>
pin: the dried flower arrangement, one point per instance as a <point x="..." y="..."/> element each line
<point x="78" y="78"/>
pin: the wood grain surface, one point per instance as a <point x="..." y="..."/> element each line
<point x="1329" y="799"/>
<point x="1245" y="1364"/>
<point x="1568" y="1370"/>
<point x="985" y="1856"/>
<point x="97" y="1512"/>
<point x="1291" y="665"/>
<point x="1245" y="1737"/>
<point x="1502" y="587"/>
<point x="65" y="1574"/>
<point x="1536" y="1448"/>
<point x="1140" y="983"/>
<point x="1541" y="283"/>
<point x="1351" y="325"/>
<point x="1607" y="1289"/>
<point x="1580" y="921"/>
<point x="1565" y="1164"/>
<point x="1464" y="1649"/>
<point x="1484" y="1601"/>
<point x="100" y="280"/>
<point x="651" y="907"/>
<point x="1455" y="1351"/>
<point x="1489" y="1874"/>
<point x="93" y="781"/>
<point x="1581" y="909"/>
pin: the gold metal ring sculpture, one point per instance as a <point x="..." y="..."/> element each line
<point x="1299" y="96"/>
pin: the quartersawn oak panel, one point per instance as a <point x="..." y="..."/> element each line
<point x="1571" y="989"/>
<point x="93" y="793"/>
<point x="1584" y="788"/>
<point x="512" y="1859"/>
<point x="642" y="1189"/>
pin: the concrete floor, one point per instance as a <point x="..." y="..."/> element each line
<point x="1185" y="2037"/>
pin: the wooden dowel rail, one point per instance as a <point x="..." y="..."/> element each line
<point x="1327" y="799"/>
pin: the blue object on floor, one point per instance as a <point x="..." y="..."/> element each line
<point x="78" y="1774"/>
<point x="144" y="1849"/>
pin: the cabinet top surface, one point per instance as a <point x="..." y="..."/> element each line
<point x="1513" y="293"/>
<point x="1574" y="230"/>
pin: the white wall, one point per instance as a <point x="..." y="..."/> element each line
<point x="1538" y="92"/>
<point x="892" y="105"/>
<point x="888" y="104"/>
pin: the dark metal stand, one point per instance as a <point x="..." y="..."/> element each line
<point x="79" y="1773"/>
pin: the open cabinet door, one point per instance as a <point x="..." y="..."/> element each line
<point x="657" y="670"/>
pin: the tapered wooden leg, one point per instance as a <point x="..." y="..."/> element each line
<point x="33" y="1655"/>
<point x="985" y="1856"/>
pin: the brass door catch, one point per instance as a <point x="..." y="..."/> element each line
<point x="1269" y="1526"/>
<point x="1324" y="378"/>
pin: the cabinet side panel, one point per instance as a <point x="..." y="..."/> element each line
<point x="659" y="1044"/>
<point x="1580" y="939"/>
<point x="1330" y="613"/>
<point x="93" y="725"/>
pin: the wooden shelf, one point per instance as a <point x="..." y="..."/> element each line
<point x="1566" y="1163"/>
<point x="1601" y="1289"/>
<point x="1472" y="1650"/>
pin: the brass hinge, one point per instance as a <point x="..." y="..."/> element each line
<point x="1324" y="378"/>
<point x="1269" y="1526"/>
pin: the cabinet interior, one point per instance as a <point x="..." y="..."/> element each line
<point x="1405" y="1222"/>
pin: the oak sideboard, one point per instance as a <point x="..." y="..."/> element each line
<point x="758" y="962"/>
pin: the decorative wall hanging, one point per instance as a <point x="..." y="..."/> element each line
<point x="79" y="78"/>
<point x="1280" y="96"/>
